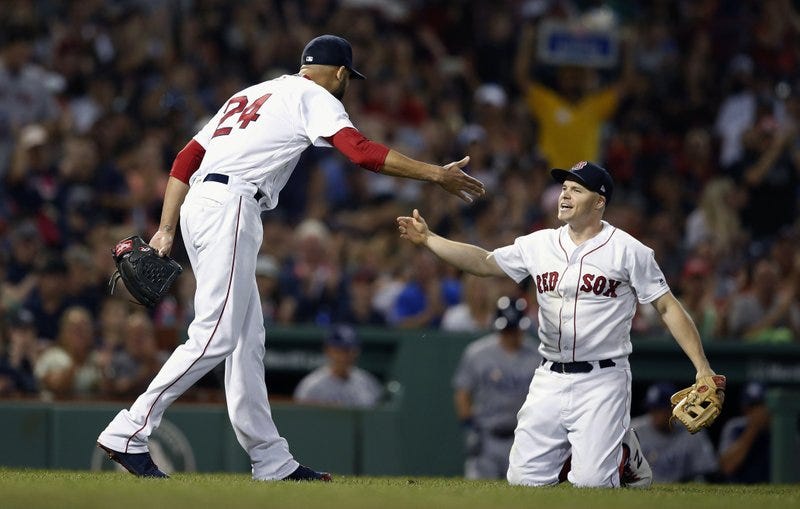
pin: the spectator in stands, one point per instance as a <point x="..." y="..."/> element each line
<point x="19" y="264"/>
<point x="768" y="310"/>
<point x="423" y="298"/>
<point x="32" y="180"/>
<point x="18" y="351"/>
<point x="674" y="454"/>
<point x="476" y="311"/>
<point x="70" y="368"/>
<point x="737" y="112"/>
<point x="340" y="382"/>
<point x="744" y="444"/>
<point x="267" y="279"/>
<point x="356" y="305"/>
<point x="715" y="221"/>
<point x="696" y="293"/>
<point x="49" y="298"/>
<point x="85" y="287"/>
<point x="131" y="368"/>
<point x="570" y="116"/>
<point x="770" y="172"/>
<point x="111" y="323"/>
<point x="26" y="98"/>
<point x="312" y="282"/>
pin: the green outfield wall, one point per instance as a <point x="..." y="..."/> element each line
<point x="413" y="432"/>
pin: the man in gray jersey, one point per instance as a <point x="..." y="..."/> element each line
<point x="674" y="454"/>
<point x="340" y="381"/>
<point x="490" y="385"/>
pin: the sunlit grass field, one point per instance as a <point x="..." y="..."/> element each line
<point x="32" y="489"/>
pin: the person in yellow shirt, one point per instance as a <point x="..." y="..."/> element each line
<point x="570" y="118"/>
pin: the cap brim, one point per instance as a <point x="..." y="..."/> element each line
<point x="561" y="175"/>
<point x="356" y="75"/>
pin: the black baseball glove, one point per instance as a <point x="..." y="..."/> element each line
<point x="147" y="275"/>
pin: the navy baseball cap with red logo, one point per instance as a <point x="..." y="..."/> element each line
<point x="330" y="50"/>
<point x="589" y="175"/>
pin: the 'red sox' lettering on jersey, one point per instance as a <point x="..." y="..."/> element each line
<point x="547" y="282"/>
<point x="598" y="285"/>
<point x="613" y="269"/>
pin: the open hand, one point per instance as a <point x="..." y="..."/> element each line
<point x="413" y="228"/>
<point x="457" y="182"/>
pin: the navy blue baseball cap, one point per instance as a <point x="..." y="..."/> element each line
<point x="589" y="175"/>
<point x="342" y="336"/>
<point x="330" y="50"/>
<point x="511" y="314"/>
<point x="754" y="394"/>
<point x="658" y="395"/>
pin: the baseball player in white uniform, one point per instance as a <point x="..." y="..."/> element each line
<point x="588" y="277"/>
<point x="231" y="171"/>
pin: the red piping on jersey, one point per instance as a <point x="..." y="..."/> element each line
<point x="227" y="294"/>
<point x="360" y="150"/>
<point x="577" y="289"/>
<point x="187" y="161"/>
<point x="566" y="256"/>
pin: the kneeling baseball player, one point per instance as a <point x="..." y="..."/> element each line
<point x="589" y="277"/>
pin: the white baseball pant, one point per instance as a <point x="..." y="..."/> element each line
<point x="583" y="414"/>
<point x="222" y="231"/>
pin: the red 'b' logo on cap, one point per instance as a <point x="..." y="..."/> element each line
<point x="579" y="165"/>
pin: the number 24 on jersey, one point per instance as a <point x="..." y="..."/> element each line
<point x="247" y="113"/>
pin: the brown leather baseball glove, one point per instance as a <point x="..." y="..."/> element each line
<point x="699" y="405"/>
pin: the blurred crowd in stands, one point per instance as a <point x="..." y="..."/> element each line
<point x="697" y="121"/>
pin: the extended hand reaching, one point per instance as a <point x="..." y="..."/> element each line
<point x="414" y="229"/>
<point x="457" y="182"/>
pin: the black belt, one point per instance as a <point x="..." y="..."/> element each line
<point x="223" y="179"/>
<point x="577" y="367"/>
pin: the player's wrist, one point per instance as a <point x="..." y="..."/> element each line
<point x="167" y="229"/>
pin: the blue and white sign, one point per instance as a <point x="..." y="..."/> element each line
<point x="562" y="44"/>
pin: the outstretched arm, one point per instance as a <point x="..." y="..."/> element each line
<point x="684" y="331"/>
<point x="377" y="157"/>
<point x="450" y="176"/>
<point x="472" y="259"/>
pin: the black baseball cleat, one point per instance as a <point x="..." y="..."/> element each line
<point x="303" y="473"/>
<point x="140" y="464"/>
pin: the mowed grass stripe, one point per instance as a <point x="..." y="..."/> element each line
<point x="33" y="489"/>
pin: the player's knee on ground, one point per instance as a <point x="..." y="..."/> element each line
<point x="592" y="479"/>
<point x="518" y="478"/>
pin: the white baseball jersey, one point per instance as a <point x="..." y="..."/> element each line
<point x="259" y="134"/>
<point x="255" y="139"/>
<point x="587" y="294"/>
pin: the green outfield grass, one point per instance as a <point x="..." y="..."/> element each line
<point x="32" y="489"/>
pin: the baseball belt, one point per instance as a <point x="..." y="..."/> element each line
<point x="577" y="367"/>
<point x="223" y="179"/>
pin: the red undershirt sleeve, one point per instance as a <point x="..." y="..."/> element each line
<point x="358" y="149"/>
<point x="187" y="161"/>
